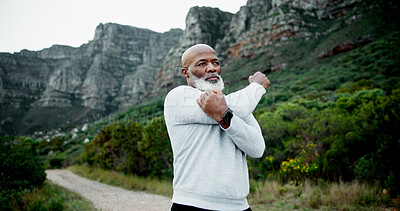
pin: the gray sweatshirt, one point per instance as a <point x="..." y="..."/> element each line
<point x="210" y="167"/>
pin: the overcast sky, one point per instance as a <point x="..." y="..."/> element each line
<point x="38" y="24"/>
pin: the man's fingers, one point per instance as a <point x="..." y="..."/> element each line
<point x="209" y="92"/>
<point x="218" y="92"/>
<point x="202" y="97"/>
<point x="199" y="102"/>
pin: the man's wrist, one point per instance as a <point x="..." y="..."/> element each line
<point x="259" y="84"/>
<point x="226" y="117"/>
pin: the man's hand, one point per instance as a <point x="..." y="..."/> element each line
<point x="259" y="78"/>
<point x="213" y="104"/>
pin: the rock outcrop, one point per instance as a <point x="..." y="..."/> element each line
<point x="111" y="72"/>
<point x="203" y="25"/>
<point x="264" y="22"/>
<point x="253" y="30"/>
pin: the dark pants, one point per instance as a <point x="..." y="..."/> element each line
<point x="180" y="207"/>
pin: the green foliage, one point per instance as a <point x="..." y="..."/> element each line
<point x="55" y="144"/>
<point x="356" y="86"/>
<point x="354" y="131"/>
<point x="356" y="136"/>
<point x="52" y="197"/>
<point x="365" y="168"/>
<point x="132" y="148"/>
<point x="156" y="148"/>
<point x="305" y="165"/>
<point x="384" y="12"/>
<point x="58" y="160"/>
<point x="20" y="168"/>
<point x="374" y="65"/>
<point x="61" y="151"/>
<point x="116" y="147"/>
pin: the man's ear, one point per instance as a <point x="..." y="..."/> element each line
<point x="185" y="72"/>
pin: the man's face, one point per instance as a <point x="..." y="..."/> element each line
<point x="204" y="62"/>
<point x="202" y="68"/>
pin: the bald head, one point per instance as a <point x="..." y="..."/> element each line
<point x="200" y="63"/>
<point x="190" y="54"/>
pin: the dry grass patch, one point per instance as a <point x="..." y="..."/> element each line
<point x="272" y="195"/>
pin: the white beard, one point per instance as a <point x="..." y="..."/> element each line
<point x="203" y="84"/>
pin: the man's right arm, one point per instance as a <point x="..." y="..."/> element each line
<point x="244" y="101"/>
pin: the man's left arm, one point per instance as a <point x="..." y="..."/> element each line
<point x="245" y="133"/>
<point x="244" y="101"/>
<point x="247" y="136"/>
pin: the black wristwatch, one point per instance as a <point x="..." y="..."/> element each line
<point x="226" y="118"/>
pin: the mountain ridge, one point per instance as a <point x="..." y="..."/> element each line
<point x="125" y="66"/>
<point x="104" y="75"/>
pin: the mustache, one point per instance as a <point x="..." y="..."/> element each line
<point x="212" y="75"/>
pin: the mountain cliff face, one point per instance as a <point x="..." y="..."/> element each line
<point x="123" y="66"/>
<point x="203" y="25"/>
<point x="111" y="72"/>
<point x="262" y="23"/>
<point x="254" y="30"/>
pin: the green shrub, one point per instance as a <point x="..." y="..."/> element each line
<point x="132" y="148"/>
<point x="58" y="160"/>
<point x="20" y="168"/>
<point x="365" y="168"/>
<point x="116" y="147"/>
<point x="354" y="137"/>
<point x="54" y="145"/>
<point x="156" y="148"/>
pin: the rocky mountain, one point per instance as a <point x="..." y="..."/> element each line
<point x="124" y="66"/>
<point x="252" y="31"/>
<point x="203" y="25"/>
<point x="111" y="72"/>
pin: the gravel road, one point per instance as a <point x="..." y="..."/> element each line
<point x="106" y="197"/>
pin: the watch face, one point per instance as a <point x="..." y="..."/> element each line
<point x="228" y="116"/>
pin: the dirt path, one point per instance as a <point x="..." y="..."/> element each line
<point x="106" y="197"/>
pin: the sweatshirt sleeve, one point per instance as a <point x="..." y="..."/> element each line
<point x="180" y="106"/>
<point x="247" y="136"/>
<point x="244" y="101"/>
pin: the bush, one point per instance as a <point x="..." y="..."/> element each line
<point x="365" y="168"/>
<point x="132" y="148"/>
<point x="156" y="148"/>
<point x="53" y="145"/>
<point x="116" y="147"/>
<point x="20" y="168"/>
<point x="354" y="137"/>
<point x="58" y="160"/>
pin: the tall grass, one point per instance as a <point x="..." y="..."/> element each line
<point x="265" y="195"/>
<point x="52" y="197"/>
<point x="130" y="182"/>
<point x="321" y="195"/>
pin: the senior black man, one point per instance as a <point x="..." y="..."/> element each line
<point x="211" y="134"/>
